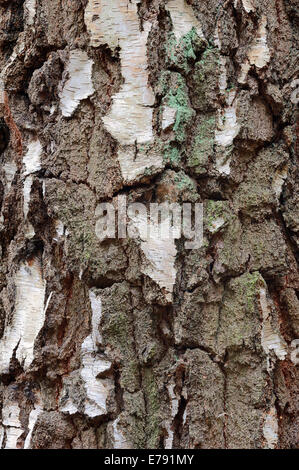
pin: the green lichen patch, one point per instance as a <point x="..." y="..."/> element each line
<point x="134" y="418"/>
<point x="171" y="155"/>
<point x="203" y="143"/>
<point x="216" y="215"/>
<point x="240" y="317"/>
<point x="118" y="333"/>
<point x="176" y="187"/>
<point x="178" y="99"/>
<point x="172" y="86"/>
<point x="182" y="54"/>
<point x="251" y="283"/>
<point x="152" y="404"/>
<point x="186" y="186"/>
<point x="204" y="81"/>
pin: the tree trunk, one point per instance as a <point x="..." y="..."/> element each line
<point x="128" y="342"/>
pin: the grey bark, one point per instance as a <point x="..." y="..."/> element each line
<point x="195" y="103"/>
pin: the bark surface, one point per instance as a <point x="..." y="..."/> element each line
<point x="121" y="343"/>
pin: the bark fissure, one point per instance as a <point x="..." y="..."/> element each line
<point x="139" y="343"/>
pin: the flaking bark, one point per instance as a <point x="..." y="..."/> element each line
<point x="122" y="343"/>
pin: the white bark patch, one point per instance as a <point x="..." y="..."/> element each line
<point x="185" y="416"/>
<point x="228" y="127"/>
<point x="19" y="49"/>
<point x="96" y="308"/>
<point x="129" y="121"/>
<point x="34" y="414"/>
<point x="223" y="75"/>
<point x="130" y="117"/>
<point x="120" y="442"/>
<point x="11" y="424"/>
<point x="10" y="414"/>
<point x="10" y="169"/>
<point x="28" y="317"/>
<point x="30" y="11"/>
<point x="160" y="255"/>
<point x="79" y="85"/>
<point x="12" y="436"/>
<point x="183" y="18"/>
<point x="271" y="339"/>
<point x="216" y="225"/>
<point x="174" y="410"/>
<point x="26" y="194"/>
<point x="216" y="36"/>
<point x="2" y="433"/>
<point x="168" y="117"/>
<point x="248" y="5"/>
<point x="97" y="390"/>
<point x="259" y="54"/>
<point x="223" y="165"/>
<point x="244" y="72"/>
<point x="133" y="165"/>
<point x="279" y="180"/>
<point x="60" y="230"/>
<point x="32" y="164"/>
<point x="169" y="438"/>
<point x="270" y="429"/>
<point x="31" y="160"/>
<point x="69" y="407"/>
<point x="116" y="23"/>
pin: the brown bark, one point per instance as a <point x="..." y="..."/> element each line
<point x="180" y="101"/>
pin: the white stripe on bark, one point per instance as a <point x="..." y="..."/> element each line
<point x="97" y="389"/>
<point x="271" y="339"/>
<point x="270" y="429"/>
<point x="79" y="85"/>
<point x="129" y="121"/>
<point x="11" y="424"/>
<point x="183" y="18"/>
<point x="259" y="54"/>
<point x="28" y="318"/>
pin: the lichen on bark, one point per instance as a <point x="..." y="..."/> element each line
<point x="130" y="343"/>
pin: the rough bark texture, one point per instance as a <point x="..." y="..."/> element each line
<point x="183" y="101"/>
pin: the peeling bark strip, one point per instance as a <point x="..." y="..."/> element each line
<point x="160" y="255"/>
<point x="271" y="340"/>
<point x="271" y="429"/>
<point x="228" y="124"/>
<point x="130" y="340"/>
<point x="28" y="318"/>
<point x="249" y="5"/>
<point x="183" y="18"/>
<point x="30" y="7"/>
<point x="129" y="120"/>
<point x="79" y="85"/>
<point x="259" y="54"/>
<point x="32" y="164"/>
<point x="11" y="427"/>
<point x="93" y="367"/>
